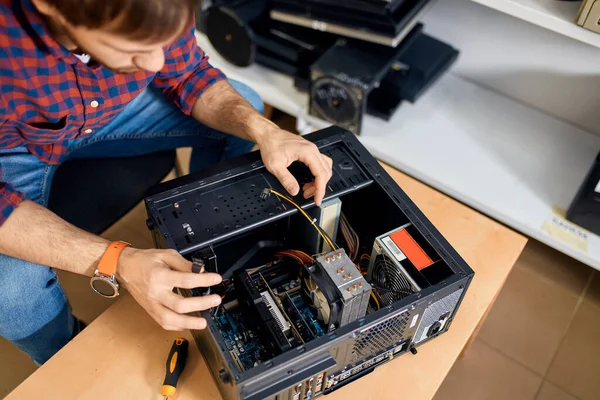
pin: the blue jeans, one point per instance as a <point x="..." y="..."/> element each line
<point x="34" y="312"/>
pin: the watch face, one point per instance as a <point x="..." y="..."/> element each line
<point x="104" y="287"/>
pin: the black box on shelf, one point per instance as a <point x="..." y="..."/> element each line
<point x="345" y="76"/>
<point x="376" y="21"/>
<point x="419" y="65"/>
<point x="585" y="207"/>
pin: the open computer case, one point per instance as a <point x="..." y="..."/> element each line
<point x="313" y="297"/>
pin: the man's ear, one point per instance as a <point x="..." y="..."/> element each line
<point x="48" y="10"/>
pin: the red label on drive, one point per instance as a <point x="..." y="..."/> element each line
<point x="411" y="249"/>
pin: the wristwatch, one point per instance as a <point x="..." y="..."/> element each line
<point x="104" y="282"/>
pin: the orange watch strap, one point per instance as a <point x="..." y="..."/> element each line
<point x="109" y="261"/>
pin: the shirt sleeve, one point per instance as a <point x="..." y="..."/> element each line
<point x="187" y="72"/>
<point x="9" y="200"/>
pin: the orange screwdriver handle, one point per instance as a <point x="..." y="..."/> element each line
<point x="175" y="365"/>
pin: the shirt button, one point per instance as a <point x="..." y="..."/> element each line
<point x="87" y="131"/>
<point x="94" y="104"/>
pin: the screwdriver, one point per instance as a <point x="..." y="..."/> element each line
<point x="175" y="365"/>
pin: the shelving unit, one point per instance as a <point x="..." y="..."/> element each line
<point x="498" y="156"/>
<point x="557" y="16"/>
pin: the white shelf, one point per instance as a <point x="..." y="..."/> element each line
<point x="557" y="16"/>
<point x="502" y="158"/>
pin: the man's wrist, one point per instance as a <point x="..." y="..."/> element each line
<point x="123" y="265"/>
<point x="261" y="129"/>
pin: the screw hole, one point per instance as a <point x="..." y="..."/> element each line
<point x="226" y="227"/>
<point x="278" y="208"/>
<point x="216" y="209"/>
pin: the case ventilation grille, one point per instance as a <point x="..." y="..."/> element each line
<point x="435" y="311"/>
<point x="380" y="337"/>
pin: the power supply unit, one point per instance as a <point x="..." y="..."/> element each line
<point x="294" y="325"/>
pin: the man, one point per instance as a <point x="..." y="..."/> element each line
<point x="97" y="78"/>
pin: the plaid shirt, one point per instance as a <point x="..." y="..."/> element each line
<point x="49" y="97"/>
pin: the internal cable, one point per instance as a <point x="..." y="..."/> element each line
<point x="365" y="258"/>
<point x="376" y="301"/>
<point x="350" y="236"/>
<point x="321" y="232"/>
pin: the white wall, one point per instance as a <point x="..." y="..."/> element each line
<point x="543" y="69"/>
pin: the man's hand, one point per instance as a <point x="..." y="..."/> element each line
<point x="280" y="148"/>
<point x="223" y="109"/>
<point x="151" y="275"/>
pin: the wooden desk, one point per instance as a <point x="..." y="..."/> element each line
<point x="121" y="355"/>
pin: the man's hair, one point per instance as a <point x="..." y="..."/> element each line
<point x="136" y="19"/>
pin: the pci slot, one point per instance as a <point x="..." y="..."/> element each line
<point x="297" y="316"/>
<point x="233" y="354"/>
<point x="283" y="324"/>
<point x="278" y="309"/>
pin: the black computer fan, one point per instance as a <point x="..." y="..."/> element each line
<point x="336" y="102"/>
<point x="389" y="281"/>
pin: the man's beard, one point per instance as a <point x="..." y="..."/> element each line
<point x="81" y="49"/>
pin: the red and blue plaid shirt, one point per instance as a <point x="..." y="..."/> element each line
<point x="49" y="96"/>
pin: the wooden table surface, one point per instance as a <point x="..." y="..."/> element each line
<point x="122" y="354"/>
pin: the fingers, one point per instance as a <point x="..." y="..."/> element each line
<point x="309" y="190"/>
<point x="328" y="161"/>
<point x="184" y="305"/>
<point x="314" y="160"/>
<point x="279" y="169"/>
<point x="172" y="321"/>
<point x="189" y="280"/>
<point x="176" y="261"/>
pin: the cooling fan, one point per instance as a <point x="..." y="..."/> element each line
<point x="336" y="102"/>
<point x="389" y="280"/>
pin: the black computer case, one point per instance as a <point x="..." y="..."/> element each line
<point x="226" y="211"/>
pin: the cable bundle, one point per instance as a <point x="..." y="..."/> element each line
<point x="267" y="191"/>
<point x="350" y="236"/>
<point x="298" y="255"/>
